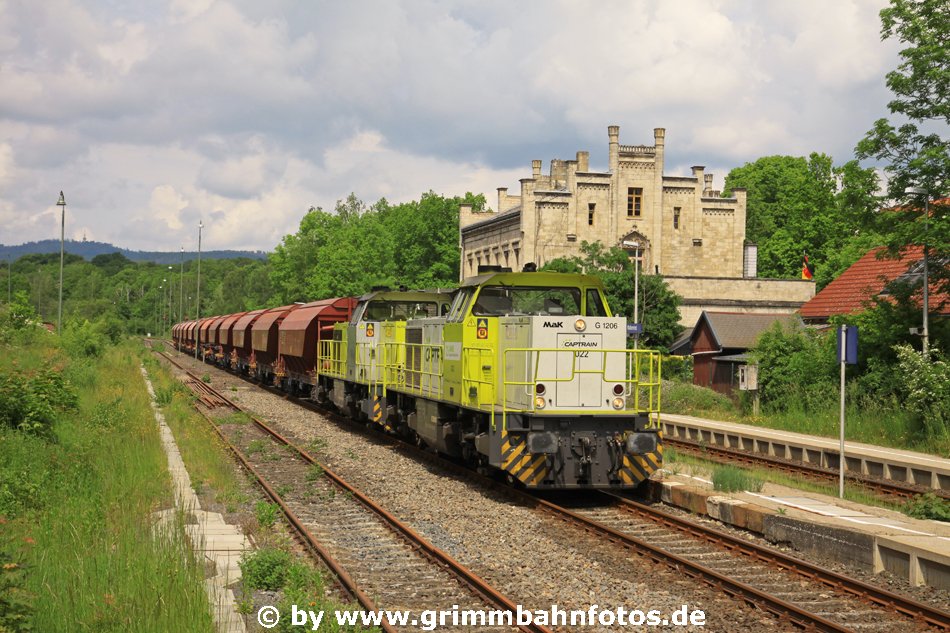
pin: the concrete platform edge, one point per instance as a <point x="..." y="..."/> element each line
<point x="866" y="551"/>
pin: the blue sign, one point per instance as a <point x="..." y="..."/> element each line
<point x="634" y="328"/>
<point x="850" y="347"/>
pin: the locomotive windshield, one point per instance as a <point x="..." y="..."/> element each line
<point x="530" y="301"/>
<point x="399" y="310"/>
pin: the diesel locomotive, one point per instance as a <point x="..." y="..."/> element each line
<point x="521" y="373"/>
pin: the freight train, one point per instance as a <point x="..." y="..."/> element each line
<point x="524" y="374"/>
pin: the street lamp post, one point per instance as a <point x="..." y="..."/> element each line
<point x="181" y="288"/>
<point x="171" y="296"/>
<point x="62" y="250"/>
<point x="9" y="280"/>
<point x="636" y="290"/>
<point x="161" y="326"/>
<point x="919" y="191"/>
<point x="198" y="291"/>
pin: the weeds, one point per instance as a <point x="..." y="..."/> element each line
<point x="928" y="506"/>
<point x="266" y="513"/>
<point x="732" y="479"/>
<point x="314" y="473"/>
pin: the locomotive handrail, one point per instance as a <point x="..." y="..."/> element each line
<point x="632" y="378"/>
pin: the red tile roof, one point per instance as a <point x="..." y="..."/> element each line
<point x="855" y="289"/>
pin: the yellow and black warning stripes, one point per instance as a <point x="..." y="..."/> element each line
<point x="377" y="409"/>
<point x="639" y="467"/>
<point x="517" y="461"/>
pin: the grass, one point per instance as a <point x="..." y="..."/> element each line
<point x="733" y="479"/>
<point x="674" y="462"/>
<point x="80" y="517"/>
<point x="208" y="469"/>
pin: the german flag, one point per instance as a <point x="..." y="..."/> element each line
<point x="808" y="270"/>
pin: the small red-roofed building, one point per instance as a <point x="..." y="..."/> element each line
<point x="867" y="279"/>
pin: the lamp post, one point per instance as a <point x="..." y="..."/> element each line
<point x="62" y="249"/>
<point x="181" y="287"/>
<point x="919" y="191"/>
<point x="171" y="296"/>
<point x="198" y="291"/>
<point x="636" y="290"/>
<point x="9" y="280"/>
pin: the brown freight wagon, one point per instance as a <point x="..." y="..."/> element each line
<point x="241" y="340"/>
<point x="299" y="336"/>
<point x="264" y="341"/>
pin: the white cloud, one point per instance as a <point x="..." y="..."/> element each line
<point x="151" y="116"/>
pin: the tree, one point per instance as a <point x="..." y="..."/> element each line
<point x="807" y="206"/>
<point x="659" y="306"/>
<point x="916" y="151"/>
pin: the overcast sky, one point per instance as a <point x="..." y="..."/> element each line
<point x="151" y="115"/>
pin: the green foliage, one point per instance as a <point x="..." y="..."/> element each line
<point x="356" y="247"/>
<point x="732" y="479"/>
<point x="916" y="152"/>
<point x="30" y="401"/>
<point x="797" y="205"/>
<point x="925" y="389"/>
<point x="266" y="513"/>
<point x="928" y="506"/>
<point x="20" y="312"/>
<point x="659" y="306"/>
<point x="85" y="339"/>
<point x="797" y="369"/>
<point x="688" y="399"/>
<point x="265" y="569"/>
<point x="678" y="368"/>
<point x="16" y="602"/>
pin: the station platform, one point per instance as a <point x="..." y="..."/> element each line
<point x="878" y="461"/>
<point x="868" y="537"/>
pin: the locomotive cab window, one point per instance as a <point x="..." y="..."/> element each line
<point x="595" y="304"/>
<point x="399" y="310"/>
<point x="460" y="304"/>
<point x="520" y="301"/>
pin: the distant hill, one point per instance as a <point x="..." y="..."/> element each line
<point x="88" y="250"/>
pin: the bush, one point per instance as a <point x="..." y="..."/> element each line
<point x="689" y="399"/>
<point x="15" y="600"/>
<point x="678" y="368"/>
<point x="928" y="506"/>
<point x="29" y="402"/>
<point x="84" y="339"/>
<point x="265" y="569"/>
<point x="925" y="387"/>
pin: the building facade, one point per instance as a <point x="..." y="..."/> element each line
<point x="682" y="226"/>
<point x="678" y="225"/>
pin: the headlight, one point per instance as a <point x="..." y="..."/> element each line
<point x="618" y="403"/>
<point x="580" y="325"/>
<point x="539" y="403"/>
<point x="540" y="389"/>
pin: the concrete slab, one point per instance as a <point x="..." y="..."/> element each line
<point x="212" y="537"/>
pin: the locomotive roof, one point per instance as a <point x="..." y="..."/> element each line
<point x="407" y="295"/>
<point x="539" y="279"/>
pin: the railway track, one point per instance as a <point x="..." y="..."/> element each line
<point x="811" y="597"/>
<point x="723" y="455"/>
<point x="369" y="550"/>
<point x="790" y="588"/>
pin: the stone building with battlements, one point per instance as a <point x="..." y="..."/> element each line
<point x="683" y="229"/>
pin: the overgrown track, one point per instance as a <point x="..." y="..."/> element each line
<point x="777" y="583"/>
<point x="349" y="531"/>
<point x="722" y="455"/>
